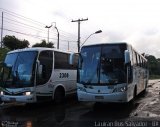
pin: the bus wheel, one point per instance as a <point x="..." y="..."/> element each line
<point x="135" y="93"/>
<point x="59" y="95"/>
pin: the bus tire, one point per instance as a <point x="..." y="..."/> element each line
<point x="59" y="95"/>
<point x="135" y="93"/>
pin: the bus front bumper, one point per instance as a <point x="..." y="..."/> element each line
<point x="120" y="97"/>
<point x="21" y="99"/>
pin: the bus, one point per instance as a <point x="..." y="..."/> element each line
<point x="110" y="72"/>
<point x="37" y="74"/>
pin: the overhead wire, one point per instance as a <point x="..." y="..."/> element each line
<point x="22" y="23"/>
<point x="33" y="21"/>
<point x="22" y="17"/>
<point x="66" y="36"/>
<point x="15" y="25"/>
<point x="32" y="35"/>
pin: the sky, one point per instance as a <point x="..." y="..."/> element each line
<point x="134" y="21"/>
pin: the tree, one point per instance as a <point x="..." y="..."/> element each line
<point x="23" y="44"/>
<point x="3" y="52"/>
<point x="44" y="44"/>
<point x="153" y="65"/>
<point x="12" y="42"/>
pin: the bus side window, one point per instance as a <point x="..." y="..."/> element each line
<point x="46" y="61"/>
<point x="134" y="58"/>
<point x="61" y="61"/>
<point x="138" y="60"/>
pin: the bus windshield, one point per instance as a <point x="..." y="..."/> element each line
<point x="18" y="70"/>
<point x="102" y="65"/>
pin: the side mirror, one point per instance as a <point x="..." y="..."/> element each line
<point x="71" y="58"/>
<point x="39" y="69"/>
<point x="127" y="56"/>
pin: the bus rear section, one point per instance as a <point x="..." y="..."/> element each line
<point x="105" y="73"/>
<point x="32" y="75"/>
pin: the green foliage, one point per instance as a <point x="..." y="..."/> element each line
<point x="3" y="52"/>
<point x="12" y="42"/>
<point x="153" y="66"/>
<point x="44" y="44"/>
<point x="154" y="77"/>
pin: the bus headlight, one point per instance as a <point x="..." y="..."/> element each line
<point x="120" y="89"/>
<point x="81" y="89"/>
<point x="27" y="93"/>
<point x="1" y="93"/>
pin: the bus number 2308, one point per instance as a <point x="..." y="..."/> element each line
<point x="63" y="75"/>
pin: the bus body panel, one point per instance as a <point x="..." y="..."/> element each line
<point x="21" y="99"/>
<point x="18" y="95"/>
<point x="64" y="77"/>
<point x="67" y="82"/>
<point x="140" y="79"/>
<point x="101" y="96"/>
<point x="105" y="93"/>
<point x="92" y="88"/>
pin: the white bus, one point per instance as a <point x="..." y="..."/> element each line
<point x="37" y="74"/>
<point x="112" y="72"/>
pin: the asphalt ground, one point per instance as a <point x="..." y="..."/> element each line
<point x="143" y="112"/>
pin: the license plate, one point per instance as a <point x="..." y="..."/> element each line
<point x="99" y="97"/>
<point x="12" y="99"/>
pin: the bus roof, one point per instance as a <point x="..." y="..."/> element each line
<point x="37" y="49"/>
<point x="106" y="44"/>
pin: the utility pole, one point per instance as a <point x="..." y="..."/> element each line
<point x="2" y="32"/>
<point x="48" y="27"/>
<point x="58" y="37"/>
<point x="68" y="45"/>
<point x="57" y="34"/>
<point x="79" y="21"/>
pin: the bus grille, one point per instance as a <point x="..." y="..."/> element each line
<point x="13" y="94"/>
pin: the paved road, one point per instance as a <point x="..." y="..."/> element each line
<point x="144" y="112"/>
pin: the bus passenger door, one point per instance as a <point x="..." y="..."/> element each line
<point x="45" y="66"/>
